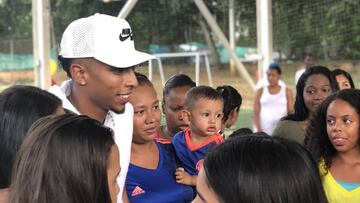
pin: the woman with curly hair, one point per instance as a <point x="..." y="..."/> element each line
<point x="333" y="140"/>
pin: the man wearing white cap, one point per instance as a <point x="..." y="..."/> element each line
<point x="99" y="56"/>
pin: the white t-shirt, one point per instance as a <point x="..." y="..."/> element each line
<point x="121" y="124"/>
<point x="298" y="73"/>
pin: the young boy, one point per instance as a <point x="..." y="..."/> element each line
<point x="203" y="111"/>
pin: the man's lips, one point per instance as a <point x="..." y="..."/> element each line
<point x="122" y="98"/>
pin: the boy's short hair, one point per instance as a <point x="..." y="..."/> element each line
<point x="201" y="92"/>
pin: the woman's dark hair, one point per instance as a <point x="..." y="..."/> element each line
<point x="63" y="159"/>
<point x="232" y="100"/>
<point x="338" y="71"/>
<point x="275" y="66"/>
<point x="143" y="80"/>
<point x="20" y="107"/>
<point x="301" y="112"/>
<point x="317" y="140"/>
<point x="178" y="80"/>
<point x="262" y="169"/>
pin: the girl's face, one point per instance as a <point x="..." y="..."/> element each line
<point x="342" y="125"/>
<point x="147" y="114"/>
<point x="317" y="88"/>
<point x="174" y="104"/>
<point x="204" y="192"/>
<point x="343" y="82"/>
<point x="113" y="171"/>
<point x="272" y="76"/>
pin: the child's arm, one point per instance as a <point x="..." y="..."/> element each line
<point x="184" y="178"/>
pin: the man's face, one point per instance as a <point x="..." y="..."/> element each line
<point x="108" y="88"/>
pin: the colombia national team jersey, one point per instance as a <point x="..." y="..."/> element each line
<point x="192" y="155"/>
<point x="158" y="185"/>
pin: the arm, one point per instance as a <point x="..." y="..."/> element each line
<point x="290" y="101"/>
<point x="125" y="198"/>
<point x="184" y="178"/>
<point x="256" y="112"/>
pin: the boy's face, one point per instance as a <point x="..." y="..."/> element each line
<point x="205" y="117"/>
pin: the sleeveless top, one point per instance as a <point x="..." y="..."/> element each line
<point x="272" y="108"/>
<point x="335" y="193"/>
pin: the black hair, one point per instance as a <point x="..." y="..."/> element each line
<point x="262" y="169"/>
<point x="65" y="64"/>
<point x="65" y="155"/>
<point x="317" y="140"/>
<point x="143" y="80"/>
<point x="232" y="100"/>
<point x="201" y="92"/>
<point x="178" y="80"/>
<point x="20" y="107"/>
<point x="241" y="132"/>
<point x="275" y="67"/>
<point x="338" y="71"/>
<point x="301" y="112"/>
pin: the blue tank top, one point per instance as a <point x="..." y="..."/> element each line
<point x="159" y="185"/>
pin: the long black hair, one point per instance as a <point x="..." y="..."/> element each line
<point x="262" y="169"/>
<point x="20" y="107"/>
<point x="232" y="100"/>
<point x="63" y="159"/>
<point x="301" y="112"/>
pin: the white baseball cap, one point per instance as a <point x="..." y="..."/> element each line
<point x="106" y="38"/>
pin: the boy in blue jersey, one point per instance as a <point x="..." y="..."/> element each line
<point x="203" y="111"/>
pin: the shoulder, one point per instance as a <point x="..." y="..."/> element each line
<point x="283" y="126"/>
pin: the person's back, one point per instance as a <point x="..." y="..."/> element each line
<point x="259" y="168"/>
<point x="20" y="107"/>
<point x="66" y="158"/>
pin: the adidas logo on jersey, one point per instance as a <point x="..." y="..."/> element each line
<point x="137" y="191"/>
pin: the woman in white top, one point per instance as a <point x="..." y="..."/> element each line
<point x="272" y="102"/>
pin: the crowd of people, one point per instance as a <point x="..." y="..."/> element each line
<point x="98" y="137"/>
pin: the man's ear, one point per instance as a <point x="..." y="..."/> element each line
<point x="78" y="74"/>
<point x="186" y="116"/>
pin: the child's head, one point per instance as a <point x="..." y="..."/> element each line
<point x="335" y="127"/>
<point x="173" y="101"/>
<point x="232" y="103"/>
<point x="314" y="85"/>
<point x="203" y="110"/>
<point x="73" y="154"/>
<point x="147" y="113"/>
<point x="259" y="168"/>
<point x="343" y="79"/>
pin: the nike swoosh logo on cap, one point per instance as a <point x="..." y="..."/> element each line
<point x="126" y="33"/>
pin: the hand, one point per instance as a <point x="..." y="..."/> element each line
<point x="183" y="177"/>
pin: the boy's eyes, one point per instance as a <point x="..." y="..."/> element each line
<point x="206" y="114"/>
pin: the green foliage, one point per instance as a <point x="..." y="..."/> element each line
<point x="323" y="27"/>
